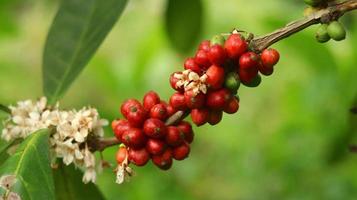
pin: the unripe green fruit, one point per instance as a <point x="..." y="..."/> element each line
<point x="336" y="31"/>
<point x="321" y="33"/>
<point x="313" y="2"/>
<point x="218" y="39"/>
<point x="232" y="82"/>
<point x="255" y="82"/>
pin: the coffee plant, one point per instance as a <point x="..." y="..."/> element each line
<point x="39" y="136"/>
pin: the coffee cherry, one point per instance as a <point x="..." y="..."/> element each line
<point x="322" y="34"/>
<point x="114" y="123"/>
<point x="134" y="138"/>
<point x="138" y="157"/>
<point x="125" y="107"/>
<point x="155" y="146"/>
<point x="174" y="80"/>
<point x="215" y="116"/>
<point x="199" y="116"/>
<point x="194" y="101"/>
<point x="163" y="161"/>
<point x="265" y="70"/>
<point x="247" y="76"/>
<point x="137" y="115"/>
<point x="122" y="126"/>
<point x="232" y="106"/>
<point x="159" y="111"/>
<point x="181" y="152"/>
<point x="205" y="45"/>
<point x="232" y="82"/>
<point x="178" y="102"/>
<point x="121" y="155"/>
<point x="217" y="55"/>
<point x="174" y="136"/>
<point x="255" y="82"/>
<point x="186" y="128"/>
<point x="192" y="65"/>
<point x="218" y="39"/>
<point x="170" y="110"/>
<point x="235" y="46"/>
<point x="154" y="128"/>
<point x="336" y="31"/>
<point x="249" y="62"/>
<point x="215" y="77"/>
<point x="201" y="58"/>
<point x="218" y="99"/>
<point x="150" y="99"/>
<point x="269" y="57"/>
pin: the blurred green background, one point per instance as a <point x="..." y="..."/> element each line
<point x="288" y="141"/>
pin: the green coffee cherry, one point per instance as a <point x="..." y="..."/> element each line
<point x="232" y="82"/>
<point x="336" y="31"/>
<point x="255" y="82"/>
<point x="321" y="33"/>
<point x="313" y="3"/>
<point x="218" y="39"/>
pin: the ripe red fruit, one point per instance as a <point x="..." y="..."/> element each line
<point x="186" y="128"/>
<point x="170" y="110"/>
<point x="249" y="62"/>
<point x="177" y="101"/>
<point x="174" y="136"/>
<point x="125" y="107"/>
<point x="199" y="116"/>
<point x="218" y="99"/>
<point x="205" y="45"/>
<point x="138" y="157"/>
<point x="174" y="80"/>
<point x="154" y="128"/>
<point x="270" y="57"/>
<point x="134" y="138"/>
<point x="114" y="123"/>
<point x="192" y="65"/>
<point x="181" y="152"/>
<point x="122" y="126"/>
<point x="159" y="111"/>
<point x="121" y="155"/>
<point x="235" y="46"/>
<point x="215" y="116"/>
<point x="265" y="70"/>
<point x="202" y="60"/>
<point x="247" y="76"/>
<point x="217" y="54"/>
<point x="194" y="101"/>
<point x="136" y="115"/>
<point x="163" y="161"/>
<point x="232" y="106"/>
<point x="215" y="77"/>
<point x="150" y="99"/>
<point x="155" y="147"/>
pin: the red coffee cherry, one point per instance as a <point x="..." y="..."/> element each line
<point x="136" y="115"/>
<point x="217" y="54"/>
<point x="215" y="116"/>
<point x="174" y="136"/>
<point x="249" y="62"/>
<point x="181" y="152"/>
<point x="202" y="60"/>
<point x="122" y="126"/>
<point x="163" y="161"/>
<point x="177" y="101"/>
<point x="138" y="157"/>
<point x="265" y="70"/>
<point x="270" y="57"/>
<point x="125" y="107"/>
<point x="205" y="45"/>
<point x="232" y="106"/>
<point x="235" y="46"/>
<point x="174" y="80"/>
<point x="194" y="101"/>
<point x="150" y="99"/>
<point x="134" y="138"/>
<point x="247" y="76"/>
<point x="155" y="128"/>
<point x="114" y="123"/>
<point x="215" y="77"/>
<point x="155" y="146"/>
<point x="218" y="99"/>
<point x="121" y="155"/>
<point x="159" y="111"/>
<point x="192" y="65"/>
<point x="199" y="116"/>
<point x="170" y="110"/>
<point x="186" y="128"/>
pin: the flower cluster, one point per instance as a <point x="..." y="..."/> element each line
<point x="71" y="131"/>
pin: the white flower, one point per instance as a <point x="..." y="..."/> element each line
<point x="190" y="80"/>
<point x="90" y="175"/>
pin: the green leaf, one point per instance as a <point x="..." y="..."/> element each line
<point x="31" y="167"/>
<point x="69" y="185"/>
<point x="77" y="31"/>
<point x="183" y="20"/>
<point x="5" y="109"/>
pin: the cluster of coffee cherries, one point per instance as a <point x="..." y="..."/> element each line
<point x="146" y="136"/>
